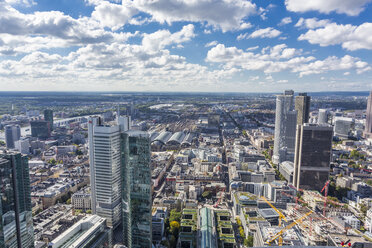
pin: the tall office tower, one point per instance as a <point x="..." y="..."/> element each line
<point x="16" y="227"/>
<point x="285" y="127"/>
<point x="40" y="129"/>
<point x="12" y="134"/>
<point x="343" y="126"/>
<point x="136" y="189"/>
<point x="105" y="170"/>
<point x="323" y="116"/>
<point x="312" y="156"/>
<point x="48" y="116"/>
<point x="368" y="128"/>
<point x="302" y="105"/>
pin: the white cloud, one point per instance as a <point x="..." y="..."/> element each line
<point x="312" y="23"/>
<point x="349" y="36"/>
<point x="212" y="43"/>
<point x="280" y="58"/>
<point x="161" y="38"/>
<point x="23" y="3"/>
<point x="265" y="33"/>
<point x="224" y="14"/>
<point x="283" y="81"/>
<point x="285" y="21"/>
<point x="112" y="15"/>
<point x="351" y="8"/>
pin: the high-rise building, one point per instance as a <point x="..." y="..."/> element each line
<point x="323" y="116"/>
<point x="312" y="156"/>
<point x="16" y="227"/>
<point x="285" y="127"/>
<point x="23" y="146"/>
<point x="368" y="128"/>
<point x="40" y="129"/>
<point x="302" y="105"/>
<point x="343" y="126"/>
<point x="48" y="116"/>
<point x="105" y="170"/>
<point x="136" y="189"/>
<point x="12" y="134"/>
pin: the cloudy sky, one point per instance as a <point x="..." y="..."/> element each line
<point x="186" y="45"/>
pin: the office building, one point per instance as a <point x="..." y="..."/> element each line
<point x="16" y="227"/>
<point x="285" y="127"/>
<point x="23" y="146"/>
<point x="302" y="106"/>
<point x="343" y="126"/>
<point x="136" y="189"/>
<point x="312" y="156"/>
<point x="12" y="134"/>
<point x="89" y="232"/>
<point x="48" y="116"/>
<point x="323" y="116"/>
<point x="105" y="170"/>
<point x="40" y="129"/>
<point x="368" y="127"/>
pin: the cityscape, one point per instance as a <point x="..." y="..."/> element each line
<point x="186" y="170"/>
<point x="185" y="123"/>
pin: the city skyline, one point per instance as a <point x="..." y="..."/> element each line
<point x="207" y="46"/>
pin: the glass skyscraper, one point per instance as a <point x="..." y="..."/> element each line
<point x="16" y="227"/>
<point x="48" y="116"/>
<point x="136" y="189"/>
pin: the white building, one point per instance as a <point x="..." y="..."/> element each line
<point x="82" y="200"/>
<point x="352" y="221"/>
<point x="23" y="146"/>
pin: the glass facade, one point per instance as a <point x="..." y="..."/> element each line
<point x="16" y="227"/>
<point x="136" y="189"/>
<point x="313" y="155"/>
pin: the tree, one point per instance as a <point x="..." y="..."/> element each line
<point x="52" y="161"/>
<point x="89" y="211"/>
<point x="249" y="241"/>
<point x="68" y="201"/>
<point x="363" y="208"/>
<point x="174" y="227"/>
<point x="175" y="216"/>
<point x="206" y="194"/>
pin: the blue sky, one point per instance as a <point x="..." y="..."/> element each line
<point x="186" y="45"/>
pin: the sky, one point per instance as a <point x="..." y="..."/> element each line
<point x="186" y="45"/>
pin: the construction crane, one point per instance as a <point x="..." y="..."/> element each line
<point x="281" y="216"/>
<point x="280" y="233"/>
<point x="325" y="189"/>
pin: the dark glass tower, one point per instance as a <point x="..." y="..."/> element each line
<point x="16" y="227"/>
<point x="312" y="156"/>
<point x="48" y="116"/>
<point x="136" y="189"/>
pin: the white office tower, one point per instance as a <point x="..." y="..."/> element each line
<point x="105" y="170"/>
<point x="23" y="146"/>
<point x="323" y="116"/>
<point x="285" y="128"/>
<point x="12" y="134"/>
<point x="343" y="126"/>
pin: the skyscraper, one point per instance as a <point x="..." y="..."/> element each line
<point x="48" y="116"/>
<point x="285" y="127"/>
<point x="302" y="105"/>
<point x="368" y="128"/>
<point x="323" y="116"/>
<point x="312" y="156"/>
<point x="40" y="129"/>
<point x="105" y="170"/>
<point x="12" y="134"/>
<point x="136" y="189"/>
<point x="16" y="227"/>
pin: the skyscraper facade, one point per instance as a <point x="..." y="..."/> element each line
<point x="40" y="129"/>
<point x="48" y="116"/>
<point x="323" y="116"/>
<point x="16" y="227"/>
<point x="368" y="128"/>
<point x="312" y="156"/>
<point x="136" y="189"/>
<point x="105" y="170"/>
<point x="12" y="134"/>
<point x="302" y="106"/>
<point x="285" y="127"/>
